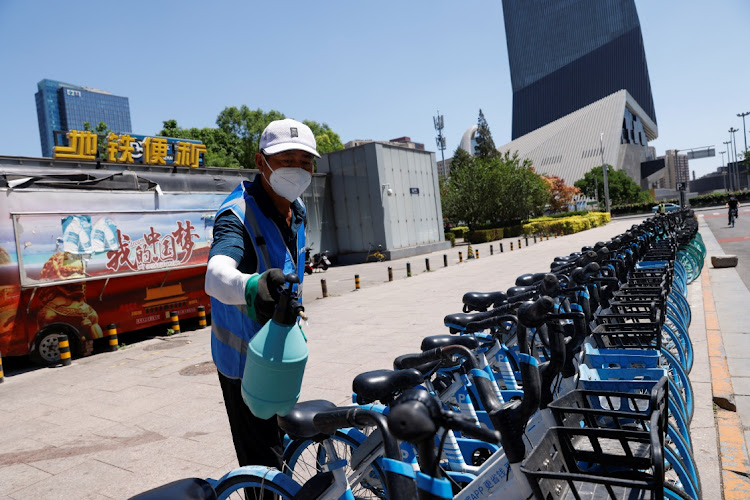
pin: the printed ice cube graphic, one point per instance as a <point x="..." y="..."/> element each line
<point x="104" y="235"/>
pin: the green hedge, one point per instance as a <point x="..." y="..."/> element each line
<point x="452" y="238"/>
<point x="485" y="235"/>
<point x="567" y="225"/>
<point x="460" y="231"/>
<point x="568" y="214"/>
<point x="637" y="208"/>
<point x="513" y="231"/>
<point x="717" y="198"/>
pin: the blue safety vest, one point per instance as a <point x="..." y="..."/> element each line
<point x="231" y="327"/>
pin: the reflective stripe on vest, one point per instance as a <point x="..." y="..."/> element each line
<point x="231" y="327"/>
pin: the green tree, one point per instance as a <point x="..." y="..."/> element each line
<point x="524" y="193"/>
<point x="622" y="189"/>
<point x="236" y="139"/>
<point x="485" y="147"/>
<point x="326" y="140"/>
<point x="493" y="191"/>
<point x="221" y="148"/>
<point x="460" y="159"/>
<point x="246" y="125"/>
<point x="102" y="131"/>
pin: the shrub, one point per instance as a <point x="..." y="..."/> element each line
<point x="567" y="225"/>
<point x="513" y="231"/>
<point x="568" y="214"/>
<point x="485" y="235"/>
<point x="451" y="237"/>
<point x="460" y="231"/>
<point x="717" y="198"/>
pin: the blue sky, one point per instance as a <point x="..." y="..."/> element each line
<point x="370" y="70"/>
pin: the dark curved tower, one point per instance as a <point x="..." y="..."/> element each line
<point x="567" y="54"/>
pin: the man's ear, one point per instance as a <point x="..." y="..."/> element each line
<point x="259" y="160"/>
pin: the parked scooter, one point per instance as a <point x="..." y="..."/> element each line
<point x="319" y="261"/>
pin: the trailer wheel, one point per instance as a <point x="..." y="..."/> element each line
<point x="46" y="351"/>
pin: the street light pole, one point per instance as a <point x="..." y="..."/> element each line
<point x="744" y="155"/>
<point x="604" y="173"/>
<point x="732" y="130"/>
<point x="729" y="168"/>
<point x="744" y="131"/>
<point x="722" y="153"/>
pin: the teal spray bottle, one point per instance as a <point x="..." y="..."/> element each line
<point x="276" y="358"/>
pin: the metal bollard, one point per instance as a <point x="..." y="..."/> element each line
<point x="527" y="240"/>
<point x="2" y="375"/>
<point x="519" y="243"/>
<point x="202" y="316"/>
<point x="460" y="257"/>
<point x="390" y="273"/>
<point x="112" y="335"/>
<point x="511" y="246"/>
<point x="356" y="282"/>
<point x="535" y="239"/>
<point x="408" y="269"/>
<point x="63" y="345"/>
<point x="175" y="321"/>
<point x="492" y="252"/>
<point x="501" y="248"/>
<point x="476" y="253"/>
<point x="427" y="265"/>
<point x="445" y="260"/>
<point x="324" y="287"/>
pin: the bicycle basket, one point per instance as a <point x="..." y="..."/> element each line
<point x="586" y="463"/>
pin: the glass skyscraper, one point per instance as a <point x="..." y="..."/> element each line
<point x="62" y="106"/>
<point x="567" y="54"/>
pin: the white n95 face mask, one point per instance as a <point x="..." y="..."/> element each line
<point x="288" y="182"/>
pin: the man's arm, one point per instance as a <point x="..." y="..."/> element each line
<point x="231" y="260"/>
<point x="224" y="281"/>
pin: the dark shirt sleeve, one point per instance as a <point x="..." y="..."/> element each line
<point x="231" y="239"/>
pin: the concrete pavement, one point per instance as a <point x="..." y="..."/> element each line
<point x="115" y="424"/>
<point x="729" y="352"/>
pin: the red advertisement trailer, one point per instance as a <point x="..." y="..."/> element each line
<point x="80" y="250"/>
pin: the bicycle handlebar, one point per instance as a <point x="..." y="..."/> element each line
<point x="533" y="314"/>
<point x="400" y="487"/>
<point x="416" y="416"/>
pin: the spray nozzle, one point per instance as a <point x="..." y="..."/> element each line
<point x="289" y="306"/>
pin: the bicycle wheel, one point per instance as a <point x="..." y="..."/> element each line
<point x="304" y="459"/>
<point x="256" y="482"/>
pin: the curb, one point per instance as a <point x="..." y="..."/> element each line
<point x="733" y="456"/>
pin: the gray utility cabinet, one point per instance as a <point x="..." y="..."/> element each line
<point x="383" y="195"/>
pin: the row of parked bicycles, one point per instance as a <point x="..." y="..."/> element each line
<point x="572" y="383"/>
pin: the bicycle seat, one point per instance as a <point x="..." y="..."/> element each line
<point x="518" y="290"/>
<point x="529" y="278"/>
<point x="565" y="258"/>
<point x="458" y="321"/>
<point x="480" y="300"/>
<point x="443" y="340"/>
<point x="185" y="489"/>
<point x="384" y="385"/>
<point x="298" y="423"/>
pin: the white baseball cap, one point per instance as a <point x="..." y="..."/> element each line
<point x="286" y="135"/>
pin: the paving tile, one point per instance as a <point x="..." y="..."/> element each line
<point x="88" y="480"/>
<point x="17" y="476"/>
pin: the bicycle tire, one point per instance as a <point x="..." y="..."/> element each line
<point x="673" y="493"/>
<point x="256" y="481"/>
<point x="303" y="459"/>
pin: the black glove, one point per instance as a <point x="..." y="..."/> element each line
<point x="262" y="294"/>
